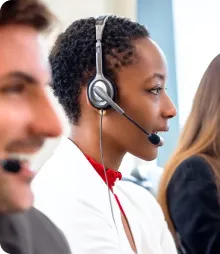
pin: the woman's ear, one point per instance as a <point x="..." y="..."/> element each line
<point x="85" y="95"/>
<point x="88" y="102"/>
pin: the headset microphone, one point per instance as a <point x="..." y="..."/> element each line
<point x="152" y="137"/>
<point x="12" y="165"/>
<point x="101" y="91"/>
<point x="102" y="94"/>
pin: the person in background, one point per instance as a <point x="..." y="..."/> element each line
<point x="189" y="188"/>
<point x="27" y="118"/>
<point x="97" y="217"/>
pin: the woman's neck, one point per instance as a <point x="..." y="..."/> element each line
<point x="89" y="143"/>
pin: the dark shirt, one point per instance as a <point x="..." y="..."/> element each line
<point x="31" y="232"/>
<point x="194" y="208"/>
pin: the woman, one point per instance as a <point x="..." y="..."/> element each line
<point x="189" y="189"/>
<point x="72" y="179"/>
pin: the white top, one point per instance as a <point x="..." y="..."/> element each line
<point x="71" y="193"/>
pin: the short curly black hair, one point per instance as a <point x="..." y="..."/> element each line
<point x="73" y="57"/>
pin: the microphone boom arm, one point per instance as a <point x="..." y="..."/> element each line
<point x="152" y="137"/>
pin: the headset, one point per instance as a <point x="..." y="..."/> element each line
<point x="102" y="94"/>
<point x="101" y="91"/>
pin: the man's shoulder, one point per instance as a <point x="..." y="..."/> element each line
<point x="45" y="233"/>
<point x="14" y="233"/>
<point x="31" y="232"/>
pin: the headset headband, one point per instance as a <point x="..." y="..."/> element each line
<point x="100" y="25"/>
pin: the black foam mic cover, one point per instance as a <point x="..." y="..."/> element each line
<point x="12" y="166"/>
<point x="154" y="139"/>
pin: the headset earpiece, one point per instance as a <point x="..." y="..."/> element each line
<point x="94" y="99"/>
<point x="100" y="80"/>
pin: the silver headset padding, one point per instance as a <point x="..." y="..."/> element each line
<point x="94" y="99"/>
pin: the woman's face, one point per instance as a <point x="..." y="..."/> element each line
<point x="142" y="95"/>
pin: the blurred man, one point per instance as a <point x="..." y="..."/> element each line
<point x="26" y="120"/>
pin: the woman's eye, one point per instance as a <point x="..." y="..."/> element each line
<point x="156" y="90"/>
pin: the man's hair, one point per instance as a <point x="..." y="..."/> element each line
<point x="32" y="13"/>
<point x="73" y="57"/>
